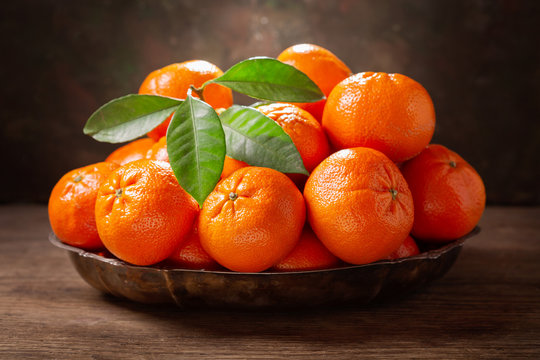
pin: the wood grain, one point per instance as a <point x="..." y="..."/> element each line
<point x="486" y="307"/>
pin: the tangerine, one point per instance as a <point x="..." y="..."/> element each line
<point x="72" y="203"/>
<point x="252" y="219"/>
<point x="230" y="165"/>
<point x="359" y="205"/>
<point x="391" y="113"/>
<point x="142" y="213"/>
<point x="191" y="255"/>
<point x="158" y="151"/>
<point x="308" y="254"/>
<point x="448" y="193"/>
<point x="132" y="151"/>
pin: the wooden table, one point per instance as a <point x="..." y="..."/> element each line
<point x="486" y="307"/>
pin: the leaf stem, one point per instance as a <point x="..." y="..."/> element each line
<point x="198" y="91"/>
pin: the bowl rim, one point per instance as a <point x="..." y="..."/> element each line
<point x="427" y="255"/>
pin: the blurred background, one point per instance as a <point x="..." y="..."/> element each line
<point x="478" y="59"/>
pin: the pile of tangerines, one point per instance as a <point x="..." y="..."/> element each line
<point x="376" y="184"/>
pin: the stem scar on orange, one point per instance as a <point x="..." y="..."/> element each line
<point x="142" y="213"/>
<point x="252" y="219"/>
<point x="359" y="205"/>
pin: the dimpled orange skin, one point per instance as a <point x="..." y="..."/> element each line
<point x="142" y="213"/>
<point x="252" y="219"/>
<point x="321" y="66"/>
<point x="308" y="254"/>
<point x="191" y="255"/>
<point x="359" y="205"/>
<point x="407" y="248"/>
<point x="391" y="113"/>
<point x="305" y="132"/>
<point x="158" y="151"/>
<point x="448" y="193"/>
<point x="132" y="151"/>
<point x="72" y="203"/>
<point x="174" y="81"/>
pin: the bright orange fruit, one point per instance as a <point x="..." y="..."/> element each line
<point x="132" y="151"/>
<point x="449" y="195"/>
<point x="142" y="213"/>
<point x="391" y="113"/>
<point x="308" y="254"/>
<point x="230" y="165"/>
<point x="252" y="219"/>
<point x="191" y="255"/>
<point x="158" y="151"/>
<point x="359" y="205"/>
<point x="72" y="203"/>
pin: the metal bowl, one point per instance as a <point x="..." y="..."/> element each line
<point x="359" y="284"/>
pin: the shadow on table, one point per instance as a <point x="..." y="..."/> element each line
<point x="408" y="319"/>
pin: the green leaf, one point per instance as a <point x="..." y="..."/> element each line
<point x="269" y="79"/>
<point x="129" y="117"/>
<point x="258" y="140"/>
<point x="196" y="147"/>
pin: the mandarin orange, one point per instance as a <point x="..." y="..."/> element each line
<point x="142" y="213"/>
<point x="308" y="254"/>
<point x="391" y="113"/>
<point x="132" y="151"/>
<point x="448" y="193"/>
<point x="252" y="219"/>
<point x="359" y="205"/>
<point x="72" y="203"/>
<point x="191" y="255"/>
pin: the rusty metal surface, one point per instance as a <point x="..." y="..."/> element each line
<point x="224" y="289"/>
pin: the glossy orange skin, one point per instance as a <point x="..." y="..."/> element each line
<point x="191" y="255"/>
<point x="391" y="113"/>
<point x="351" y="207"/>
<point x="72" y="202"/>
<point x="142" y="213"/>
<point x="305" y="132"/>
<point x="407" y="248"/>
<point x="449" y="200"/>
<point x="158" y="151"/>
<point x="308" y="254"/>
<point x="174" y="81"/>
<point x="258" y="228"/>
<point x="320" y="65"/>
<point x="132" y="151"/>
<point x="230" y="165"/>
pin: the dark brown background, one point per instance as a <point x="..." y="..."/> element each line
<point x="61" y="60"/>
